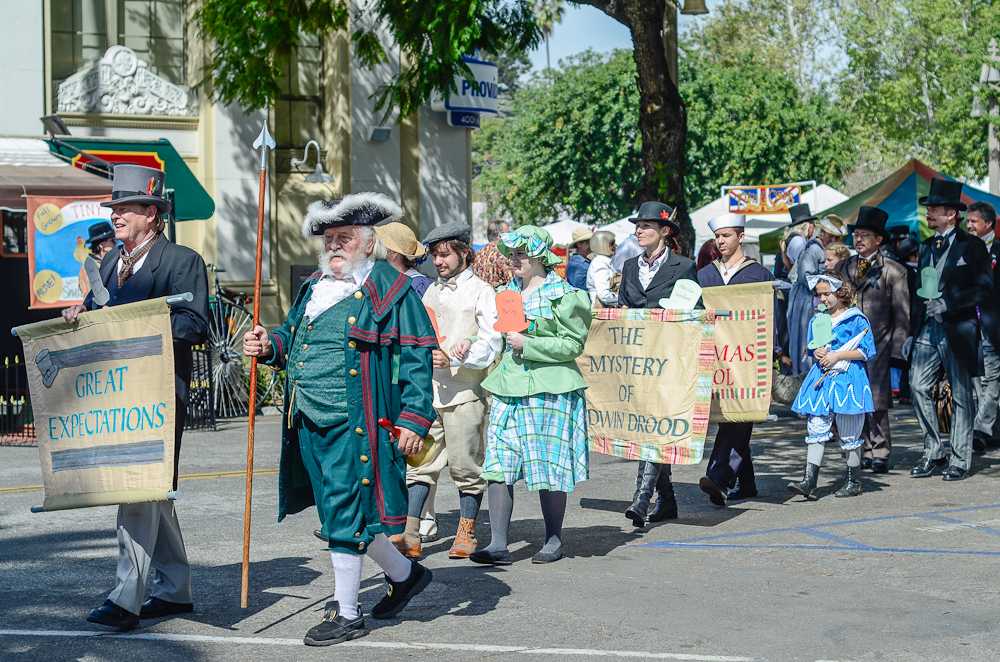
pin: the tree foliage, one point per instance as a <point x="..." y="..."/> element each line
<point x="251" y="36"/>
<point x="572" y="144"/>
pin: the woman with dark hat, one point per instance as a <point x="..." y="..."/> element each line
<point x="809" y="262"/>
<point x="100" y="242"/>
<point x="646" y="279"/>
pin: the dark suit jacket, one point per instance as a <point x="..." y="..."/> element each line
<point x="966" y="283"/>
<point x="631" y="293"/>
<point x="173" y="269"/>
<point x="990" y="310"/>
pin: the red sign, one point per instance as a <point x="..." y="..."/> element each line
<point x="148" y="159"/>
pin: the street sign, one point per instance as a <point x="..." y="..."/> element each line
<point x="478" y="95"/>
<point x="463" y="120"/>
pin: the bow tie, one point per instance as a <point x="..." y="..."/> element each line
<point x="448" y="284"/>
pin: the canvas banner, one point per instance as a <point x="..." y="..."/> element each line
<point x="102" y="394"/>
<point x="744" y="343"/>
<point x="57" y="248"/>
<point x="649" y="383"/>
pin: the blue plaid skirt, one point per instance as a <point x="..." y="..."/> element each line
<point x="540" y="438"/>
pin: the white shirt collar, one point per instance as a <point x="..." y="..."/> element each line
<point x="463" y="276"/>
<point x="153" y="237"/>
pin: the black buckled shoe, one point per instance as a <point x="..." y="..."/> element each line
<point x="158" y="608"/>
<point x="955" y="473"/>
<point x="112" y="616"/>
<point x="927" y="468"/>
<point x="880" y="465"/>
<point x="334" y="628"/>
<point x="398" y="594"/>
<point x="714" y="492"/>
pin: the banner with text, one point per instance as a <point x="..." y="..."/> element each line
<point x="102" y="394"/>
<point x="649" y="383"/>
<point x="744" y="341"/>
<point x="57" y="248"/>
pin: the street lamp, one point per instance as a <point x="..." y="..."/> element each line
<point x="317" y="176"/>
<point x="989" y="83"/>
<point x="694" y="8"/>
<point x="688" y="8"/>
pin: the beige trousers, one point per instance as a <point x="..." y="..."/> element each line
<point x="459" y="444"/>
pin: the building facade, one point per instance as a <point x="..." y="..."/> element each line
<point x="132" y="70"/>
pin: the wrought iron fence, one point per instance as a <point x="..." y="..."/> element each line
<point x="17" y="425"/>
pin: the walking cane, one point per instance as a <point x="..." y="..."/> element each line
<point x="264" y="143"/>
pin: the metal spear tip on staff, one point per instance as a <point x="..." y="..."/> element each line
<point x="264" y="143"/>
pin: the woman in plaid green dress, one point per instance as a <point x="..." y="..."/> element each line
<point x="538" y="423"/>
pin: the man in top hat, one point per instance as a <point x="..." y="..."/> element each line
<point x="356" y="348"/>
<point x="981" y="220"/>
<point x="955" y="280"/>
<point x="647" y="278"/>
<point x="810" y="261"/>
<point x="463" y="306"/>
<point x="730" y="472"/>
<point x="100" y="242"/>
<point x="148" y="266"/>
<point x="883" y="295"/>
<point x="579" y="261"/>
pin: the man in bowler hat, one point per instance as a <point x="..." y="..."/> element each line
<point x="955" y="279"/>
<point x="883" y="295"/>
<point x="148" y="266"/>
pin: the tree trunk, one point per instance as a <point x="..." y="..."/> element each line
<point x="662" y="117"/>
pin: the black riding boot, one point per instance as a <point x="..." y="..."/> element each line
<point x="807" y="486"/>
<point x="645" y="482"/>
<point x="852" y="483"/>
<point x="666" y="504"/>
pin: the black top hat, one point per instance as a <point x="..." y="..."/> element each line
<point x="658" y="212"/>
<point x="98" y="232"/>
<point x="139" y="185"/>
<point x="944" y="193"/>
<point x="801" y="214"/>
<point x="872" y="219"/>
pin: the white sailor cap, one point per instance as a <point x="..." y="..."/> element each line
<point x="727" y="221"/>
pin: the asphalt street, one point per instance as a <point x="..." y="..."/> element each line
<point x="907" y="571"/>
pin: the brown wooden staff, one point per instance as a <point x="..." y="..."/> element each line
<point x="264" y="143"/>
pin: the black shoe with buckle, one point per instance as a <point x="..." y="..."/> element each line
<point x="335" y="628"/>
<point x="158" y="608"/>
<point x="927" y="468"/>
<point x="955" y="473"/>
<point x="112" y="616"/>
<point x="398" y="594"/>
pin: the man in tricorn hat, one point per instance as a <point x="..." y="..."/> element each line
<point x="730" y="474"/>
<point x="464" y="307"/>
<point x="148" y="266"/>
<point x="883" y="295"/>
<point x="356" y="348"/>
<point x="955" y="279"/>
<point x="646" y="279"/>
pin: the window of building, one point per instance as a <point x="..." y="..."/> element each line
<point x="14" y="228"/>
<point x="298" y="110"/>
<point x="154" y="29"/>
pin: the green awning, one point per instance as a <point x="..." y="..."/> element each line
<point x="191" y="200"/>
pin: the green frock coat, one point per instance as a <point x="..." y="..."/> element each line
<point x="387" y="369"/>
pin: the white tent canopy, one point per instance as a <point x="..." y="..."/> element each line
<point x="818" y="198"/>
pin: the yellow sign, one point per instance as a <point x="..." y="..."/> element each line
<point x="744" y="345"/>
<point x="102" y="394"/>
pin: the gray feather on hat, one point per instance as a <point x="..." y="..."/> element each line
<point x="355" y="209"/>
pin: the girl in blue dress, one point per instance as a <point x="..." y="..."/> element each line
<point x="836" y="391"/>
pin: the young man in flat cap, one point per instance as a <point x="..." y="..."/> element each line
<point x="646" y="279"/>
<point x="955" y="280"/>
<point x="882" y="293"/>
<point x="148" y="266"/>
<point x="730" y="474"/>
<point x="356" y="348"/>
<point x="464" y="308"/>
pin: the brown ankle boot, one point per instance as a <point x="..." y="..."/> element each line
<point x="408" y="542"/>
<point x="465" y="539"/>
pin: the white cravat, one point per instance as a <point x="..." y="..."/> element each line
<point x="329" y="291"/>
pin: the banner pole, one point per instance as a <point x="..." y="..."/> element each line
<point x="264" y="143"/>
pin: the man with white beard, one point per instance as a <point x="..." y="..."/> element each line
<point x="356" y="348"/>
